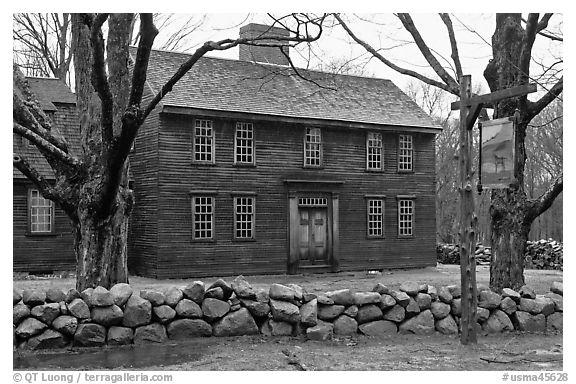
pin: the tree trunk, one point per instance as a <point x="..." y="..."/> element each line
<point x="101" y="245"/>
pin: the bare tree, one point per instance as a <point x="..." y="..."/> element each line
<point x="511" y="211"/>
<point x="93" y="188"/>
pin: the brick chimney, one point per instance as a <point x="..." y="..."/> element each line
<point x="263" y="54"/>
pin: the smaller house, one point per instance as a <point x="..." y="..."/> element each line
<point x="42" y="234"/>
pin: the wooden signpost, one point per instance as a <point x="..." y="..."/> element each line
<point x="470" y="108"/>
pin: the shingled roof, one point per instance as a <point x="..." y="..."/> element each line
<point x="217" y="84"/>
<point x="54" y="96"/>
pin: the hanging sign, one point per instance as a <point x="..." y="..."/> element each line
<point x="497" y="138"/>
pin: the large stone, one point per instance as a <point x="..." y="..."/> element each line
<point x="524" y="321"/>
<point x="256" y="308"/>
<point x="188" y="309"/>
<point x="410" y="287"/>
<point x="242" y="288"/>
<point x="119" y="336"/>
<point x="79" y="309"/>
<point x="529" y="305"/>
<point x="456" y="307"/>
<point x="214" y="293"/>
<point x="151" y="333"/>
<point x="298" y="291"/>
<point x="489" y="300"/>
<point x="444" y="295"/>
<point x="63" y="308"/>
<point x="195" y="291"/>
<point x="346" y="326"/>
<point x="46" y="312"/>
<point x="351" y="311"/>
<point x="423" y="300"/>
<point x="508" y="305"/>
<point x="20" y="312"/>
<point x="455" y="290"/>
<point x="214" y="309"/>
<point x="30" y="327"/>
<point x="558" y="288"/>
<point x="33" y="297"/>
<point x="137" y="312"/>
<point x="263" y="296"/>
<point x="558" y="301"/>
<point x="86" y="295"/>
<point x="226" y="288"/>
<point x="498" y="322"/>
<point x="446" y="326"/>
<point x="545" y="305"/>
<point x="90" y="335"/>
<point x="482" y="314"/>
<point x="412" y="309"/>
<point x="71" y="295"/>
<point x="363" y="298"/>
<point x="527" y="292"/>
<point x="276" y="328"/>
<point x="308" y="296"/>
<point x="401" y="298"/>
<point x="16" y="296"/>
<point x="554" y="322"/>
<point x="236" y="323"/>
<point x="309" y="313"/>
<point x="55" y="295"/>
<point x="381" y="289"/>
<point x="324" y="300"/>
<point x="281" y="292"/>
<point x="320" y="332"/>
<point x="65" y="324"/>
<point x="421" y="324"/>
<point x="188" y="328"/>
<point x="101" y="297"/>
<point x="378" y="328"/>
<point x="121" y="292"/>
<point x="386" y="301"/>
<point x="512" y="294"/>
<point x="396" y="314"/>
<point x="433" y="292"/>
<point x="341" y="297"/>
<point x="173" y="296"/>
<point x="48" y="339"/>
<point x="285" y="311"/>
<point x="107" y="316"/>
<point x="439" y="309"/>
<point x="330" y="312"/>
<point x="164" y="313"/>
<point x="156" y="298"/>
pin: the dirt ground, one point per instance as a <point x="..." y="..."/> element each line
<point x="540" y="280"/>
<point x="512" y="351"/>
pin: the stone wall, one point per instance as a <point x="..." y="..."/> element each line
<point x="96" y="317"/>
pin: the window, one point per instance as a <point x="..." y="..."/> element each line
<point x="244" y="144"/>
<point x="405" y="217"/>
<point x="244" y="217"/>
<point x="374" y="151"/>
<point x="375" y="217"/>
<point x="313" y="148"/>
<point x="203" y="141"/>
<point x="41" y="213"/>
<point x="405" y="153"/>
<point x="203" y="217"/>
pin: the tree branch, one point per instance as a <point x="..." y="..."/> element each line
<point x="393" y="66"/>
<point x="534" y="108"/>
<point x="543" y="23"/>
<point x="409" y="25"/>
<point x="148" y="33"/>
<point x="35" y="177"/>
<point x="541" y="204"/>
<point x="455" y="56"/>
<point x="527" y="43"/>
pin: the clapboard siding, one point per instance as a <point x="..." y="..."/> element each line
<point x="144" y="165"/>
<point x="33" y="253"/>
<point x="279" y="156"/>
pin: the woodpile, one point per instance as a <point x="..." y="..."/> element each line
<point x="540" y="254"/>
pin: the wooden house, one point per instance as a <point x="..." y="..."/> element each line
<point x="251" y="167"/>
<point x="42" y="234"/>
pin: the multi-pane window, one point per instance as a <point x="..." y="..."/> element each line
<point x="41" y="213"/>
<point x="405" y="153"/>
<point x="203" y="217"/>
<point x="313" y="148"/>
<point x="374" y="151"/>
<point x="375" y="217"/>
<point x="405" y="217"/>
<point x="244" y="144"/>
<point x="203" y="141"/>
<point x="244" y="217"/>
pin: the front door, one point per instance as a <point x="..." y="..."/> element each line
<point x="313" y="236"/>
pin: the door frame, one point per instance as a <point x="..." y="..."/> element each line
<point x="313" y="188"/>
